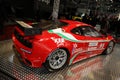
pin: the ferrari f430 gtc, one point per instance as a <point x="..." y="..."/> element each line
<point x="55" y="45"/>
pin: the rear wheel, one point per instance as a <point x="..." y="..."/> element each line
<point x="56" y="60"/>
<point x="109" y="48"/>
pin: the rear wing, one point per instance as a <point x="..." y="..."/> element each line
<point x="28" y="29"/>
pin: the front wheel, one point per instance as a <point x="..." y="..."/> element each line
<point x="56" y="60"/>
<point x="109" y="48"/>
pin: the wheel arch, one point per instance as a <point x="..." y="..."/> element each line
<point x="104" y="52"/>
<point x="113" y="41"/>
<point x="68" y="56"/>
<point x="66" y="49"/>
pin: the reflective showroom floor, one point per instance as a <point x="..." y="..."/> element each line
<point x="100" y="67"/>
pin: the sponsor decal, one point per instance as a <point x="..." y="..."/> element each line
<point x="102" y="45"/>
<point x="25" y="50"/>
<point x="58" y="41"/>
<point x="76" y="52"/>
<point x="92" y="48"/>
<point x="93" y="44"/>
<point x="80" y="51"/>
<point x="74" y="47"/>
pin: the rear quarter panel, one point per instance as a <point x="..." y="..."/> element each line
<point x="48" y="42"/>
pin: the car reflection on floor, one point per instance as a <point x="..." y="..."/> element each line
<point x="83" y="70"/>
<point x="78" y="71"/>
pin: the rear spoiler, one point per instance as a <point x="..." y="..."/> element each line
<point x="28" y="29"/>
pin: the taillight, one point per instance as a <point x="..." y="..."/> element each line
<point x="29" y="38"/>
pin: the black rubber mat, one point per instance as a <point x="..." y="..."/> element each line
<point x="5" y="76"/>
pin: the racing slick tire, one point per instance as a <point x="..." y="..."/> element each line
<point x="56" y="60"/>
<point x="109" y="48"/>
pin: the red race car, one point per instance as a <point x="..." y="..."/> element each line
<point x="55" y="45"/>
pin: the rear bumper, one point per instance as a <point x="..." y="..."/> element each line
<point x="25" y="54"/>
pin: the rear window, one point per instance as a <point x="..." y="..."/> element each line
<point x="47" y="25"/>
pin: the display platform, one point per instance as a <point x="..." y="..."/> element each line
<point x="101" y="67"/>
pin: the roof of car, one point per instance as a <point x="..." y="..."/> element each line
<point x="75" y="23"/>
<point x="47" y="25"/>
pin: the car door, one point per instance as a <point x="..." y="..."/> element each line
<point x="94" y="41"/>
<point x="79" y="48"/>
